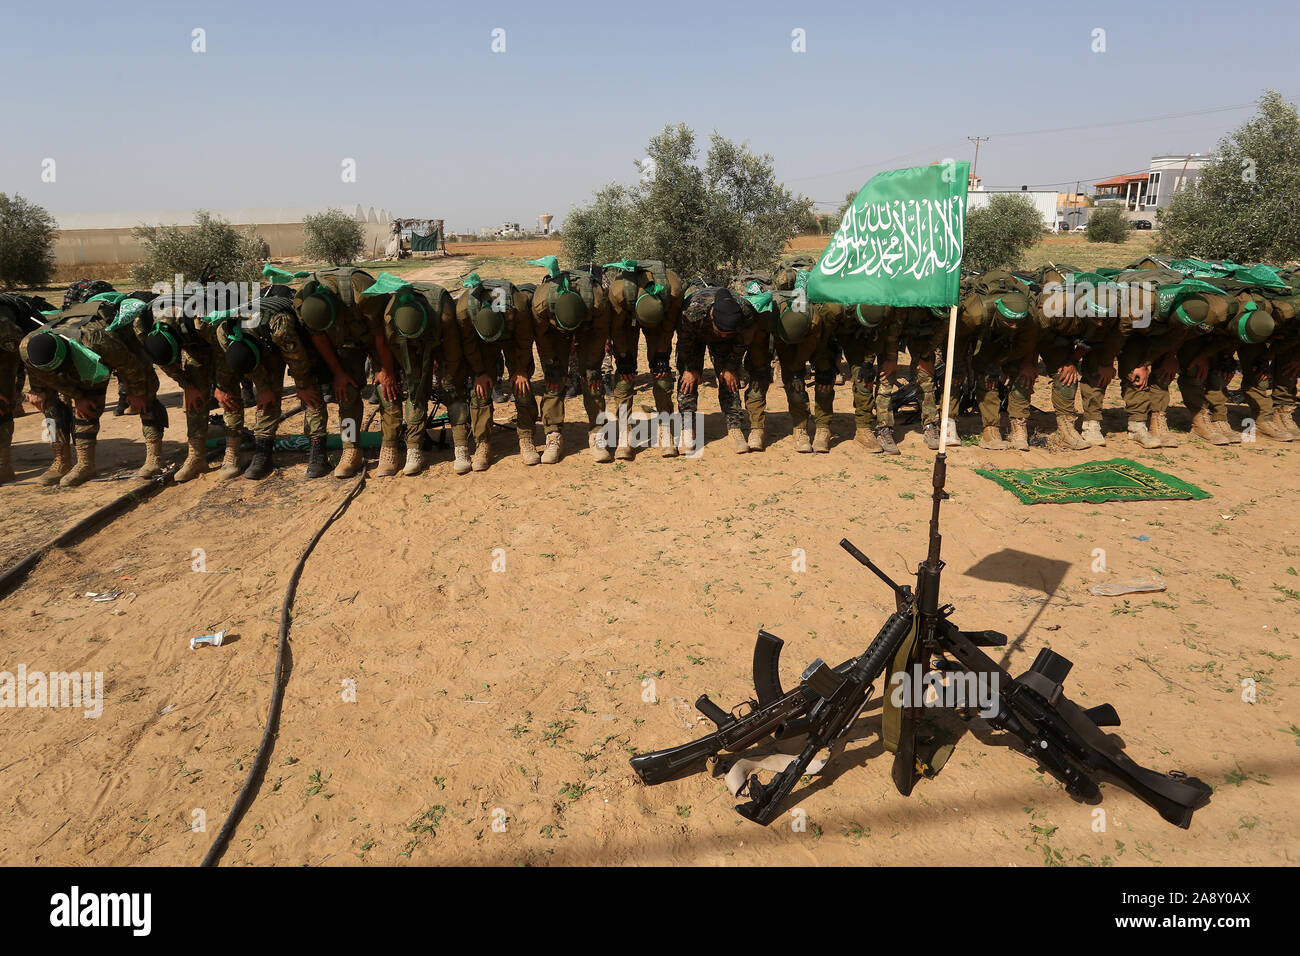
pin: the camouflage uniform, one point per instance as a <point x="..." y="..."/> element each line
<point x="17" y="315"/>
<point x="438" y="342"/>
<point x="554" y="345"/>
<point x="626" y="288"/>
<point x="355" y="327"/>
<point x="995" y="325"/>
<point x="1269" y="370"/>
<point x="794" y="358"/>
<point x="696" y="335"/>
<point x="868" y="335"/>
<point x="118" y="350"/>
<point x="514" y="345"/>
<point x="925" y="333"/>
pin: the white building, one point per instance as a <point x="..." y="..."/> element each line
<point x="1044" y="201"/>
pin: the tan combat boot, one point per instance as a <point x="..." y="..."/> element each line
<point x="350" y="462"/>
<point x="414" y="459"/>
<point x="596" y="443"/>
<point x="1019" y="437"/>
<point x="991" y="439"/>
<point x="688" y="438"/>
<point x="865" y="436"/>
<point x="1286" y="417"/>
<point x="462" y="463"/>
<point x="1160" y="429"/>
<point x="1065" y="438"/>
<point x="152" y="467"/>
<point x="667" y="447"/>
<point x="196" y="461"/>
<point x="84" y="469"/>
<point x="1274" y="428"/>
<point x="527" y="450"/>
<point x="1137" y="432"/>
<point x="1092" y="434"/>
<point x="554" y="448"/>
<point x="230" y="463"/>
<point x="931" y="436"/>
<point x="1203" y="428"/>
<point x="801" y="442"/>
<point x="757" y="436"/>
<point x="61" y="465"/>
<point x="624" y="450"/>
<point x="821" y="443"/>
<point x="1227" y="431"/>
<point x="885" y="436"/>
<point x="482" y="456"/>
<point x="739" y="444"/>
<point x="388" y="460"/>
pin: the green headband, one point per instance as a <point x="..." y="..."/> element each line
<point x="761" y="303"/>
<point x="626" y="265"/>
<point x="1011" y="315"/>
<point x="160" y="328"/>
<point x="279" y="275"/>
<point x="89" y="367"/>
<point x="60" y="353"/>
<point x="472" y="281"/>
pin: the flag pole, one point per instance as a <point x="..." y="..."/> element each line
<point x="947" y="379"/>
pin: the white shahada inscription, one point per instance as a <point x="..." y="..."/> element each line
<point x="914" y="238"/>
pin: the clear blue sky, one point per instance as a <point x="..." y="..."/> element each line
<point x="439" y="125"/>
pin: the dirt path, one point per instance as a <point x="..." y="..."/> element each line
<point x="431" y="694"/>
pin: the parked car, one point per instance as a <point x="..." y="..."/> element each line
<point x="1141" y="223"/>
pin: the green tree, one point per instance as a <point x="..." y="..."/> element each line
<point x="334" y="237"/>
<point x="844" y="207"/>
<point x="26" y="243"/>
<point x="1108" y="224"/>
<point x="210" y="247"/>
<point x="711" y="218"/>
<point x="999" y="234"/>
<point x="1245" y="205"/>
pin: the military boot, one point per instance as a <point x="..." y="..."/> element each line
<point x="885" y="436"/>
<point x="61" y="465"/>
<point x="6" y="464"/>
<point x="756" y="438"/>
<point x="624" y="450"/>
<point x="952" y="440"/>
<point x="230" y="462"/>
<point x="667" y="447"/>
<point x="1160" y="430"/>
<point x="738" y="442"/>
<point x="554" y="448"/>
<point x="1065" y="438"/>
<point x="991" y="439"/>
<point x="932" y="436"/>
<point x="1092" y="434"/>
<point x="196" y="461"/>
<point x="801" y="442"/>
<point x="1227" y="431"/>
<point x="596" y="444"/>
<point x="482" y="456"/>
<point x="84" y="469"/>
<point x="414" y="459"/>
<point x="1286" y="417"/>
<point x="152" y="467"/>
<point x="1019" y="437"/>
<point x="1273" y="428"/>
<point x="350" y="462"/>
<point x="688" y="438"/>
<point x="821" y="443"/>
<point x="318" y="462"/>
<point x="866" y="437"/>
<point x="462" y="463"/>
<point x="388" y="461"/>
<point x="528" y="450"/>
<point x="262" y="463"/>
<point x="1137" y="432"/>
<point x="1203" y="428"/>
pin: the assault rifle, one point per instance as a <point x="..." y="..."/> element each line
<point x="1064" y="738"/>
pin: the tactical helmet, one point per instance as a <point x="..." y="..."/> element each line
<point x="649" y="310"/>
<point x="46" y="351"/>
<point x="1011" y="308"/>
<point x="1253" y="325"/>
<point x="317" y="309"/>
<point x="869" y="316"/>
<point x="410" y="318"/>
<point x="792" y="325"/>
<point x="569" y="310"/>
<point x="488" y="322"/>
<point x="161" y="345"/>
<point x="243" y="355"/>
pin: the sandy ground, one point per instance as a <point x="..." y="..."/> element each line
<point x="431" y="696"/>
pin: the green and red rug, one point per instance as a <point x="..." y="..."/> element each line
<point x="1118" y="479"/>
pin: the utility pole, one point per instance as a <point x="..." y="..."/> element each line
<point x="1075" y="202"/>
<point x="976" y="140"/>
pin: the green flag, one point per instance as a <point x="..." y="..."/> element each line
<point x="900" y="242"/>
